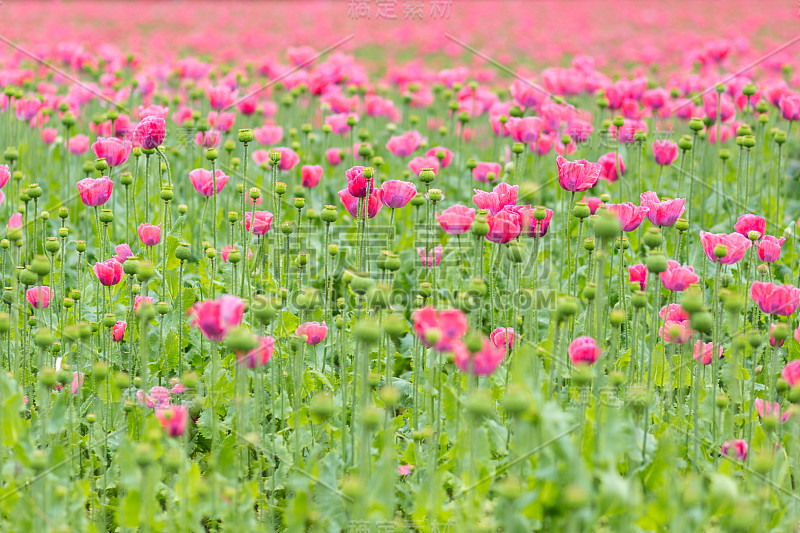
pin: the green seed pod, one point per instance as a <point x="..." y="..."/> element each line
<point x="361" y="284"/>
<point x="480" y="227"/>
<point x="606" y="226"/>
<point x="639" y="299"/>
<point x="27" y="277"/>
<point x="702" y="321"/>
<point x="652" y="237"/>
<point x="427" y="175"/>
<point x="241" y="340"/>
<point x="395" y="326"/>
<point x="581" y="210"/>
<point x="211" y="154"/>
<point x="106" y="216"/>
<point x="80" y="246"/>
<point x="589" y="291"/>
<point x="245" y="136"/>
<point x="145" y="271"/>
<point x="322" y="406"/>
<point x="43" y="338"/>
<point x="40" y="265"/>
<point x="329" y="214"/>
<point x="51" y="245"/>
<point x="656" y="262"/>
<point x="367" y="331"/>
<point x="182" y="251"/>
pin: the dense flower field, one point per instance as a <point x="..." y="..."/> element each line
<point x="399" y="266"/>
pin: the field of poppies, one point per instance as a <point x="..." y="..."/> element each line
<point x="399" y="265"/>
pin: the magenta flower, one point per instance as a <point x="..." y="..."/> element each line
<point x="150" y="132"/>
<point x="149" y="234"/>
<point x="118" y="330"/>
<point x="704" y="352"/>
<point x="501" y="337"/>
<point x="350" y="203"/>
<point x="215" y="318"/>
<point x="735" y="243"/>
<point x="314" y="332"/>
<point x="433" y="258"/>
<point x="173" y="419"/>
<point x="483" y="170"/>
<point x="258" y="356"/>
<point x="503" y="227"/>
<point x="501" y="196"/>
<point x="774" y="299"/>
<point x="735" y="448"/>
<point x="95" y="192"/>
<point x="769" y="248"/>
<point x="678" y="278"/>
<point x="396" y="194"/>
<point x="576" y="176"/>
<point x="203" y="181"/>
<point x="630" y="215"/>
<point x="38" y="297"/>
<point x="665" y="152"/>
<point x="608" y="162"/>
<point x="481" y="363"/>
<point x="664" y="213"/>
<point x="404" y="145"/>
<point x="584" y="351"/>
<point x="456" y="219"/>
<point x="263" y="222"/>
<point x="747" y="223"/>
<point x="114" y="151"/>
<point x="638" y="274"/>
<point x="108" y="272"/>
<point x="310" y="175"/>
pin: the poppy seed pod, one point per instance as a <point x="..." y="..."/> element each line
<point x="367" y="331"/>
<point x="656" y="262"/>
<point x="781" y="331"/>
<point x="395" y="326"/>
<point x="245" y="136"/>
<point x="515" y="252"/>
<point x="427" y="175"/>
<point x="691" y="300"/>
<point x="43" y="338"/>
<point x="652" y="237"/>
<point x="702" y="321"/>
<point x="145" y="271"/>
<point x="606" y="226"/>
<point x="182" y="252"/>
<point x="40" y="265"/>
<point x="28" y="277"/>
<point x="617" y="317"/>
<point x="329" y="214"/>
<point x="581" y="210"/>
<point x="480" y="227"/>
<point x="589" y="291"/>
<point x="477" y="287"/>
<point x="361" y="284"/>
